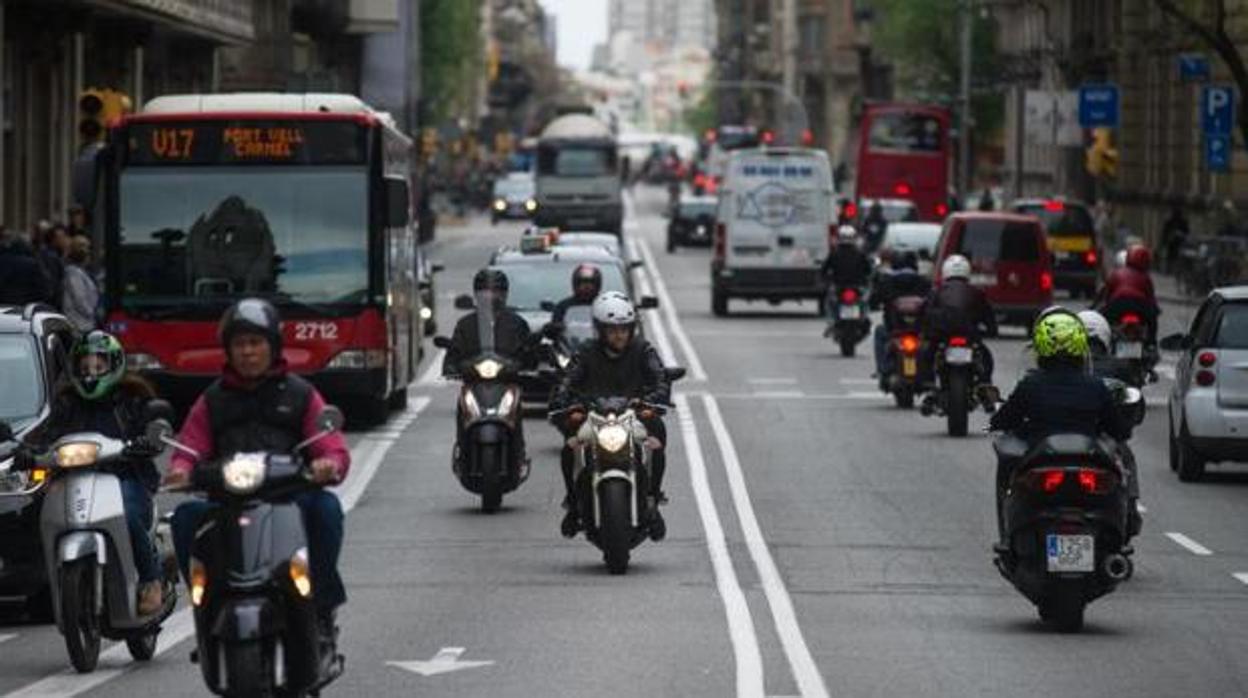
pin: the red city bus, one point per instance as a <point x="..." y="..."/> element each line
<point x="300" y="199"/>
<point x="903" y="153"/>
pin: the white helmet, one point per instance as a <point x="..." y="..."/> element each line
<point x="956" y="267"/>
<point x="1097" y="327"/>
<point x="1120" y="259"/>
<point x="846" y="233"/>
<point x="613" y="309"/>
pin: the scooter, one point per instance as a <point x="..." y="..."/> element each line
<point x="959" y="371"/>
<point x="256" y="626"/>
<point x="1131" y="349"/>
<point x="902" y="353"/>
<point x="851" y="322"/>
<point x="91" y="569"/>
<point x="1064" y="514"/>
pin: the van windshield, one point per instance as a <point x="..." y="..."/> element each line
<point x="996" y="240"/>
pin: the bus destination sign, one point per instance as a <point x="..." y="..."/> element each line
<point x="246" y="142"/>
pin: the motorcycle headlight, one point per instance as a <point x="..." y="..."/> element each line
<point x="563" y="360"/>
<point x="488" y="369"/>
<point x="77" y="454"/>
<point x="500" y="205"/>
<point x="244" y="473"/>
<point x="471" y="406"/>
<point x="507" y="403"/>
<point x="426" y="313"/>
<point x="612" y="438"/>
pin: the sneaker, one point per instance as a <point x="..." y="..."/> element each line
<point x="660" y="497"/>
<point x="151" y="598"/>
<point x="658" y="527"/>
<point x="571" y="524"/>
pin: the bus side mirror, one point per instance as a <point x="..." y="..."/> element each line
<point x="396" y="203"/>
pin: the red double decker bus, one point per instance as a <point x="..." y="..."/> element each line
<point x="300" y="199"/>
<point x="904" y="153"/>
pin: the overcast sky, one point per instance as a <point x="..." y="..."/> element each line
<point x="582" y="25"/>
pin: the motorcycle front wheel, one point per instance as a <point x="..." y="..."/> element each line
<point x="79" y="623"/>
<point x="616" y="530"/>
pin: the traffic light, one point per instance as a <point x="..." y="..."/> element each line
<point x="428" y="142"/>
<point x="98" y="108"/>
<point x="1101" y="157"/>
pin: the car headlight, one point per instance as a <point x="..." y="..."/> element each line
<point x="244" y="473"/>
<point x="612" y="438"/>
<point x="77" y="454"/>
<point x="530" y="205"/>
<point x="500" y="205"/>
<point x="488" y="369"/>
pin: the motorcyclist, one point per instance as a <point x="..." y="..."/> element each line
<point x="955" y="307"/>
<point x="1130" y="289"/>
<point x="874" y="226"/>
<point x="846" y="266"/>
<point x="258" y="405"/>
<point x="902" y="280"/>
<point x="586" y="285"/>
<point x="616" y="363"/>
<point x="1060" y="397"/>
<point x="103" y="397"/>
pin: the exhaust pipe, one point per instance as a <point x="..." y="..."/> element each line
<point x="1117" y="567"/>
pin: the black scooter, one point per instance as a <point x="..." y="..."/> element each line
<point x="256" y="626"/>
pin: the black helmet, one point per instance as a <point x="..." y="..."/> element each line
<point x="490" y="280"/>
<point x="906" y="260"/>
<point x="587" y="273"/>
<point x="255" y="316"/>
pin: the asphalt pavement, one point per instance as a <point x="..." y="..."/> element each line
<point x="821" y="543"/>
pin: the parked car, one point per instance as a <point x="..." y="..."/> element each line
<point x="1077" y="254"/>
<point x="1208" y="405"/>
<point x="692" y="222"/>
<point x="1009" y="258"/>
<point x="34" y="350"/>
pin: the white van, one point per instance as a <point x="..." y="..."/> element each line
<point x="775" y="220"/>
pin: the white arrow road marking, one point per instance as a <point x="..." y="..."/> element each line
<point x="444" y="662"/>
<point x="1192" y="546"/>
<point x="116" y="661"/>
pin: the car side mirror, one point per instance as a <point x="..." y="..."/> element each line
<point x="331" y="419"/>
<point x="465" y="302"/>
<point x="1175" y="342"/>
<point x="437" y="268"/>
<point x="548" y="306"/>
<point x="6" y="432"/>
<point x="442" y="342"/>
<point x="648" y="303"/>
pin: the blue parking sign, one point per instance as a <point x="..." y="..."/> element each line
<point x="1193" y="67"/>
<point x="1218" y="153"/>
<point x="1217" y="110"/>
<point x="1098" y="106"/>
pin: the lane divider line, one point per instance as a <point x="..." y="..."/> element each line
<point x="1192" y="546"/>
<point x="809" y="681"/>
<point x="741" y="631"/>
<point x="668" y="307"/>
<point x="1241" y="576"/>
<point x="653" y="322"/>
<point x="115" y="661"/>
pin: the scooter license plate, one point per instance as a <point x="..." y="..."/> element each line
<point x="909" y="367"/>
<point x="1129" y="350"/>
<point x="959" y="355"/>
<point x="1071" y="553"/>
<point x="850" y="312"/>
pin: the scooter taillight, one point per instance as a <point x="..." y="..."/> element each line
<point x="908" y="343"/>
<point x="959" y="342"/>
<point x="1130" y="319"/>
<point x="1088" y="480"/>
<point x="849" y="296"/>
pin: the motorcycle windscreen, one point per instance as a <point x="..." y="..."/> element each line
<point x="487" y="320"/>
<point x="578" y="325"/>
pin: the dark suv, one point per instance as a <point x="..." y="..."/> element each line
<point x="692" y="222"/>
<point x="34" y="350"/>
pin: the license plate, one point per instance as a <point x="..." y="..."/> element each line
<point x="850" y="312"/>
<point x="959" y="355"/>
<point x="909" y="367"/>
<point x="1070" y="553"/>
<point x="983" y="279"/>
<point x="1129" y="350"/>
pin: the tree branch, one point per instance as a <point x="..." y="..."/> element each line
<point x="1219" y="18"/>
<point x="1193" y="25"/>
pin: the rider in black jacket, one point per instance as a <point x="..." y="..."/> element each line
<point x="586" y="285"/>
<point x="615" y="364"/>
<point x="846" y="266"/>
<point x="903" y="280"/>
<point x="955" y="307"/>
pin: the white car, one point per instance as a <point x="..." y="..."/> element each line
<point x="919" y="238"/>
<point x="579" y="239"/>
<point x="1209" y="401"/>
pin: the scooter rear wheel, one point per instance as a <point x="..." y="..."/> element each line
<point x="1064" y="612"/>
<point x="904" y="397"/>
<point x="847" y="347"/>
<point x="246" y="672"/>
<point x="79" y="624"/>
<point x="143" y="648"/>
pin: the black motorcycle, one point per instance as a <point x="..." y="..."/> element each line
<point x="1065" y="517"/>
<point x="256" y="626"/>
<point x="961" y="369"/>
<point x="850" y="321"/>
<point x="901" y="356"/>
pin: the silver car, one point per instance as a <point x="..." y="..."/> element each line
<point x="1209" y="402"/>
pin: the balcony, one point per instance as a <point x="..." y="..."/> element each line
<point x="320" y="17"/>
<point x="229" y="20"/>
<point x="373" y="16"/>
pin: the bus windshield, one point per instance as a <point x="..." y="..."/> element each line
<point x="902" y="132"/>
<point x="576" y="161"/>
<point x="207" y="234"/>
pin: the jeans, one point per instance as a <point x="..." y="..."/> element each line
<point x="881" y="338"/>
<point x="323" y="519"/>
<point x="137" y="502"/>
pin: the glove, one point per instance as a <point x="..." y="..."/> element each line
<point x="140" y="447"/>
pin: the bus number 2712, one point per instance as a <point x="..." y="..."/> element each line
<point x="311" y="331"/>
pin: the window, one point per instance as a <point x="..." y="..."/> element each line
<point x="19" y="381"/>
<point x="1066" y="221"/>
<point x="906" y="132"/>
<point x="1233" y="327"/>
<point x="810" y="36"/>
<point x="996" y="240"/>
<point x="576" y="162"/>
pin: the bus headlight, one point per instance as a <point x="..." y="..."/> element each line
<point x="244" y="473"/>
<point x="612" y="438"/>
<point x="77" y="454"/>
<point x="358" y="359"/>
<point x="488" y="369"/>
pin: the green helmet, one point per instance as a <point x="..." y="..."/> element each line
<point x="98" y="377"/>
<point x="1060" y="334"/>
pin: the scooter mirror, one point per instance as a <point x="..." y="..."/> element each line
<point x="331" y="418"/>
<point x="442" y="342"/>
<point x="675" y="374"/>
<point x="157" y="431"/>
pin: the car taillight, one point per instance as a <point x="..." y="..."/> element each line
<point x="1089" y="258"/>
<point x="909" y="344"/>
<point x="1046" y="281"/>
<point x="1207" y="359"/>
<point x="942" y="209"/>
<point x="958" y="342"/>
<point x="849" y="295"/>
<point x="1053" y="206"/>
<point x="721" y="240"/>
<point x="712" y="184"/>
<point x="1205" y="378"/>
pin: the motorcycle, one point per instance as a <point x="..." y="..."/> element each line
<point x="86" y="545"/>
<point x="611" y="472"/>
<point x="1131" y="348"/>
<point x="1065" y="517"/>
<point x="850" y="321"/>
<point x="959" y="372"/>
<point x="902" y="354"/>
<point x="256" y="627"/>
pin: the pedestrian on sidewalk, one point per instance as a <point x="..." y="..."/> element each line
<point x="21" y="279"/>
<point x="1174" y="234"/>
<point x="82" y="296"/>
<point x="49" y="240"/>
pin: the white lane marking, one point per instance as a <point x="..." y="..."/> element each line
<point x="116" y="660"/>
<point x="668" y="307"/>
<point x="7" y="637"/>
<point x="652" y="320"/>
<point x="859" y="381"/>
<point x="1241" y="576"/>
<point x="433" y="373"/>
<point x="771" y="381"/>
<point x="778" y="394"/>
<point x="809" y="681"/>
<point x="741" y="631"/>
<point x="444" y="662"/>
<point x="1192" y="546"/>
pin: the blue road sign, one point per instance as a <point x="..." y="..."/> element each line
<point x="1193" y="67"/>
<point x="1218" y="153"/>
<point x="1217" y="110"/>
<point x="1098" y="106"/>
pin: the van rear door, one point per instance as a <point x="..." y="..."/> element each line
<point x="776" y="208"/>
<point x="1007" y="258"/>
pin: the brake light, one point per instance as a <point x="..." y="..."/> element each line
<point x="1047" y="480"/>
<point x="849" y="295"/>
<point x="902" y="189"/>
<point x="808" y="136"/>
<point x="768" y="137"/>
<point x="721" y="240"/>
<point x="712" y="184"/>
<point x="909" y="344"/>
<point x="699" y="180"/>
<point x="1089" y="257"/>
<point x="850" y="210"/>
<point x="710" y="135"/>
<point x="942" y="209"/>
<point x="958" y="342"/>
<point x="1054" y="206"/>
<point x="1130" y="319"/>
<point x="1046" y="281"/>
<point x="1205" y="378"/>
<point x="1207" y="359"/>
